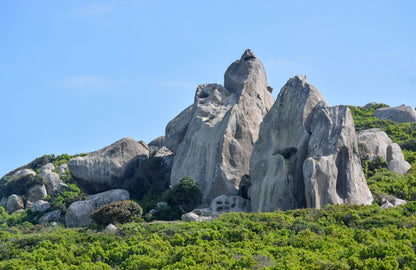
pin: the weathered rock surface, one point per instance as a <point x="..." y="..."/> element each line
<point x="47" y="168"/>
<point x="166" y="155"/>
<point x="3" y="202"/>
<point x="106" y="168"/>
<point x="110" y="229"/>
<point x="24" y="172"/>
<point x="52" y="178"/>
<point x="191" y="216"/>
<point x="78" y="213"/>
<point x="379" y="144"/>
<point x="35" y="193"/>
<point x="156" y="144"/>
<point x="63" y="168"/>
<point x="40" y="206"/>
<point x="51" y="217"/>
<point x="400" y="114"/>
<point x="332" y="172"/>
<point x="14" y="203"/>
<point x="214" y="137"/>
<point x="306" y="154"/>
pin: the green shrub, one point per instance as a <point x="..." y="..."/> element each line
<point x="120" y="212"/>
<point x="185" y="195"/>
<point x="377" y="165"/>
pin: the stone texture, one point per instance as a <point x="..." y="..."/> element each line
<point x="40" y="206"/>
<point x="35" y="193"/>
<point x="24" y="172"/>
<point x="213" y="138"/>
<point x="107" y="168"/>
<point x="166" y="155"/>
<point x="304" y="148"/>
<point x="14" y="203"/>
<point x="110" y="229"/>
<point x="225" y="204"/>
<point x="379" y="144"/>
<point x="332" y="172"/>
<point x="3" y="202"/>
<point x="156" y="144"/>
<point x="400" y="114"/>
<point x="189" y="217"/>
<point x="52" y="181"/>
<point x="78" y="213"/>
<point x="51" y="217"/>
<point x="63" y="168"/>
<point x="47" y="168"/>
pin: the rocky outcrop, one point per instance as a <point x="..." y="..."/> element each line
<point x="24" y="172"/>
<point x="52" y="179"/>
<point x="213" y="138"/>
<point x="63" y="168"/>
<point x="79" y="213"/>
<point x="400" y="114"/>
<point x="50" y="217"/>
<point x="14" y="203"/>
<point x="156" y="144"/>
<point x="370" y="105"/>
<point x="35" y="193"/>
<point x="40" y="206"/>
<point x="377" y="143"/>
<point x="107" y="168"/>
<point x="306" y="154"/>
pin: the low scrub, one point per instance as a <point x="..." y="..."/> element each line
<point x="117" y="212"/>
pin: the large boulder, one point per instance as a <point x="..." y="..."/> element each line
<point x="35" y="193"/>
<point x="14" y="203"/>
<point x="156" y="144"/>
<point x="400" y="114"/>
<point x="50" y="217"/>
<point x="40" y="206"/>
<point x="79" y="213"/>
<point x="52" y="179"/>
<point x="62" y="168"/>
<point x="213" y="138"/>
<point x="379" y="144"/>
<point x="306" y="154"/>
<point x="107" y="168"/>
<point x="24" y="172"/>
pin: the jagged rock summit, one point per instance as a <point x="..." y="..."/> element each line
<point x="214" y="137"/>
<point x="306" y="154"/>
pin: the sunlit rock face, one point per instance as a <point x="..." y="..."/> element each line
<point x="213" y="139"/>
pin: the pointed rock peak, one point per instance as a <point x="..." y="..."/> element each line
<point x="248" y="55"/>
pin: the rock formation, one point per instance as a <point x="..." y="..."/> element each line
<point x="306" y="154"/>
<point x="213" y="138"/>
<point x="400" y="114"/>
<point x="107" y="168"/>
<point x="79" y="213"/>
<point x="379" y="144"/>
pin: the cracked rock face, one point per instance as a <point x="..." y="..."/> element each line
<point x="306" y="154"/>
<point x="400" y="114"/>
<point x="108" y="167"/>
<point x="213" y="138"/>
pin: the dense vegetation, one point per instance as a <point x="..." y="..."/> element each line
<point x="336" y="237"/>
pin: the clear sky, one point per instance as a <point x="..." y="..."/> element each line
<point x="76" y="76"/>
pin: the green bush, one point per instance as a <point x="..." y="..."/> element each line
<point x="120" y="212"/>
<point x="185" y="195"/>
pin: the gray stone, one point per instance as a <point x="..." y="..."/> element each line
<point x="14" y="203"/>
<point x="213" y="138"/>
<point x="400" y="114"/>
<point x="40" y="206"/>
<point x="189" y="217"/>
<point x="52" y="181"/>
<point x="156" y="144"/>
<point x="369" y="105"/>
<point x="51" y="217"/>
<point x="63" y="168"/>
<point x="176" y="129"/>
<point x="332" y="172"/>
<point x="3" y="202"/>
<point x="45" y="169"/>
<point x="379" y="144"/>
<point x="225" y="204"/>
<point x="78" y="213"/>
<point x="161" y="204"/>
<point x="63" y="187"/>
<point x="385" y="204"/>
<point x="396" y="202"/>
<point x="110" y="229"/>
<point x="107" y="168"/>
<point x="304" y="148"/>
<point x="24" y="172"/>
<point x="35" y="193"/>
<point x="166" y="155"/>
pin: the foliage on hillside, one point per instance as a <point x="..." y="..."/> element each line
<point x="337" y="237"/>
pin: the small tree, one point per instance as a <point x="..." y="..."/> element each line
<point x="185" y="195"/>
<point x="121" y="212"/>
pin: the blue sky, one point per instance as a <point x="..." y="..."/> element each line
<point x="76" y="76"/>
